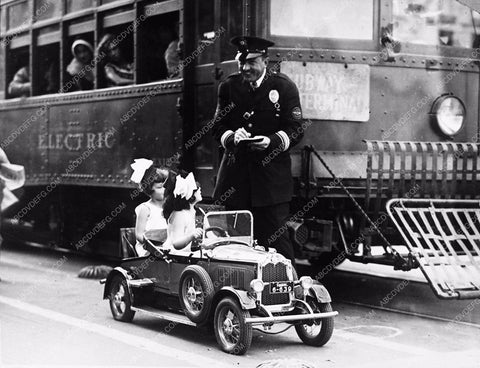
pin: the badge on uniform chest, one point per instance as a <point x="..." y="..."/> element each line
<point x="274" y="96"/>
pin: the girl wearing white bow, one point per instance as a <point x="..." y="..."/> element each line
<point x="181" y="196"/>
<point x="151" y="181"/>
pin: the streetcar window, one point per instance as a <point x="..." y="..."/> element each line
<point x="342" y="19"/>
<point x="232" y="21"/>
<point x="18" y="15"/>
<point x="18" y="75"/>
<point x="205" y="31"/>
<point x="115" y="52"/>
<point x="159" y="55"/>
<point x="3" y="19"/>
<point x="2" y="75"/>
<point x="76" y="5"/>
<point x="442" y="23"/>
<point x="47" y="65"/>
<point x="46" y="9"/>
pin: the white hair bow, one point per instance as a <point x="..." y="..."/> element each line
<point x="185" y="187"/>
<point x="139" y="167"/>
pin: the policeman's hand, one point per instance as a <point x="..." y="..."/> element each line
<point x="197" y="233"/>
<point x="240" y="134"/>
<point x="260" y="146"/>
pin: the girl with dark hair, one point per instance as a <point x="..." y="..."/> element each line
<point x="151" y="181"/>
<point x="182" y="193"/>
<point x="118" y="71"/>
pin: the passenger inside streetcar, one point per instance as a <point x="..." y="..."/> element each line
<point x="118" y="71"/>
<point x="46" y="69"/>
<point x="172" y="55"/>
<point x="20" y="86"/>
<point x="161" y="48"/>
<point x="80" y="68"/>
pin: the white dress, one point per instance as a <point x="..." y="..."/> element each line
<point x="155" y="220"/>
<point x="187" y="218"/>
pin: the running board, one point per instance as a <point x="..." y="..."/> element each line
<point x="166" y="315"/>
<point x="140" y="283"/>
<point x="444" y="237"/>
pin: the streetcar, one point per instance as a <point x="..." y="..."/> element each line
<point x="386" y="172"/>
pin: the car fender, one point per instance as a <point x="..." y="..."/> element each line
<point x="246" y="301"/>
<point x="320" y="292"/>
<point x="116" y="271"/>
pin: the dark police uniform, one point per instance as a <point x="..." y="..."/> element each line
<point x="261" y="180"/>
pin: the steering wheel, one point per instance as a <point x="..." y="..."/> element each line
<point x="221" y="232"/>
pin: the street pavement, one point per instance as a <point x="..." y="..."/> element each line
<point x="51" y="318"/>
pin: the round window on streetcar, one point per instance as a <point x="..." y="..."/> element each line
<point x="449" y="113"/>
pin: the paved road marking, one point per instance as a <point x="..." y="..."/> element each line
<point x="75" y="366"/>
<point x="384" y="332"/>
<point x="43" y="268"/>
<point x="408" y="313"/>
<point x="126" y="338"/>
<point x="457" y="359"/>
<point x="381" y="343"/>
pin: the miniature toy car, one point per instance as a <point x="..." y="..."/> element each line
<point x="227" y="279"/>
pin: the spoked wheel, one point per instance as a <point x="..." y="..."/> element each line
<point x="233" y="334"/>
<point x="120" y="302"/>
<point x="196" y="293"/>
<point x="316" y="332"/>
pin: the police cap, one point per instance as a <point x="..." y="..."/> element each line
<point x="250" y="47"/>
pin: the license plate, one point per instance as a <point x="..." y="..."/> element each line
<point x="281" y="287"/>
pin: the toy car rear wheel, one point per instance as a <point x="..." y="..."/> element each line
<point x="233" y="334"/>
<point x="120" y="301"/>
<point x="196" y="293"/>
<point x="316" y="332"/>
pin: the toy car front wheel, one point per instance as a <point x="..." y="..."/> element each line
<point x="233" y="334"/>
<point x="120" y="301"/>
<point x="316" y="332"/>
<point x="196" y="293"/>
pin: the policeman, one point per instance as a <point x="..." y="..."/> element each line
<point x="257" y="120"/>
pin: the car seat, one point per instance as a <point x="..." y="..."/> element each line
<point x="127" y="242"/>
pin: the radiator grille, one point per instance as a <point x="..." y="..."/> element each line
<point x="274" y="272"/>
<point x="271" y="273"/>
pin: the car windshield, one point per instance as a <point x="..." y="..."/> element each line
<point x="234" y="226"/>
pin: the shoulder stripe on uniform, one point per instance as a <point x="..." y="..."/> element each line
<point x="285" y="139"/>
<point x="224" y="137"/>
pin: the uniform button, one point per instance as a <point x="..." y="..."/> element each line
<point x="250" y="125"/>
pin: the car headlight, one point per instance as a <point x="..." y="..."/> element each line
<point x="299" y="232"/>
<point x="306" y="282"/>
<point x="449" y="114"/>
<point x="257" y="285"/>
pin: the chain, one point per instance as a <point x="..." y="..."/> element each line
<point x="364" y="214"/>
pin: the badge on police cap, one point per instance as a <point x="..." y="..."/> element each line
<point x="250" y="47"/>
<point x="273" y="96"/>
